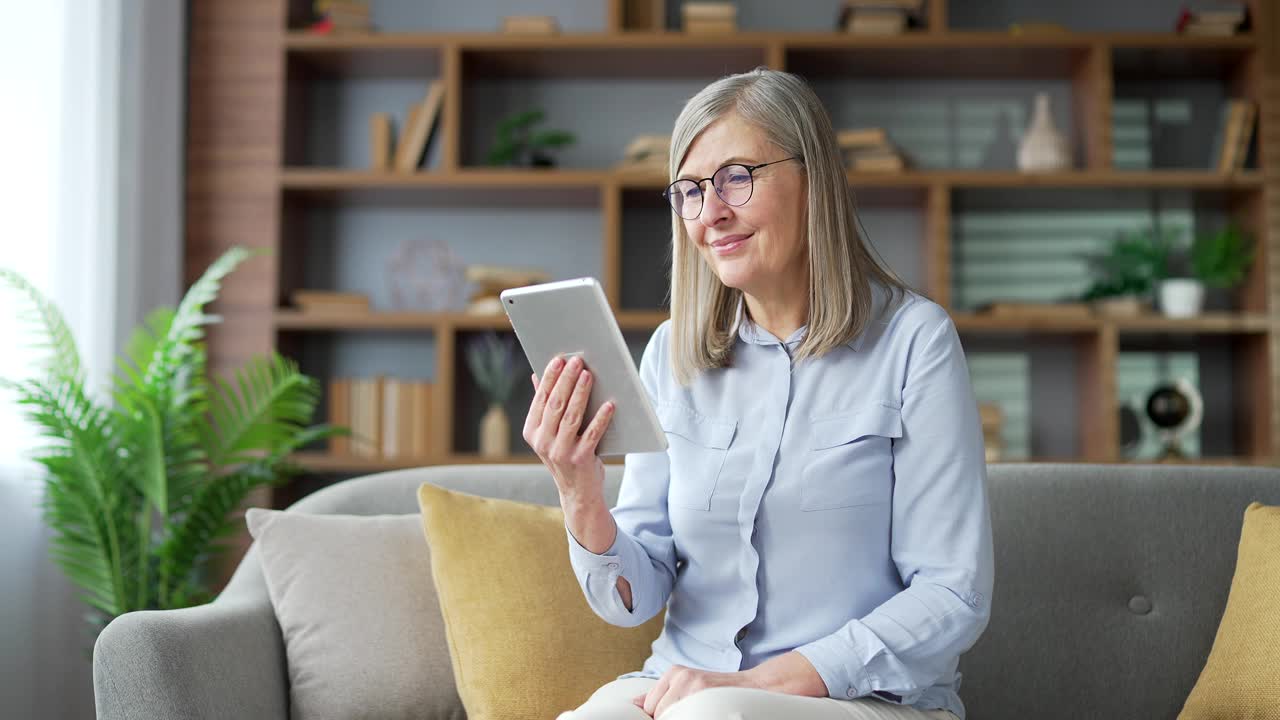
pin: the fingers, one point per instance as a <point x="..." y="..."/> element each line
<point x="591" y="436"/>
<point x="542" y="389"/>
<point x="656" y="693"/>
<point x="575" y="407"/>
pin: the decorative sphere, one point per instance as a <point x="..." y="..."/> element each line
<point x="1168" y="407"/>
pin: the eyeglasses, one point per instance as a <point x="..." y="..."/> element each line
<point x="733" y="183"/>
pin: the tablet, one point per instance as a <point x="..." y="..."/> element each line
<point x="572" y="317"/>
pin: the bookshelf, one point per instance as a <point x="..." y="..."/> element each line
<point x="261" y="171"/>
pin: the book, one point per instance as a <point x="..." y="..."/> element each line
<point x="709" y="10"/>
<point x="330" y="301"/>
<point x="861" y="137"/>
<point x="879" y="163"/>
<point x="503" y="277"/>
<point x="1245" y="135"/>
<point x="1229" y="137"/>
<point x="366" y="416"/>
<point x="877" y="23"/>
<point x="530" y="25"/>
<point x="709" y="26"/>
<point x="340" y="414"/>
<point x="390" y="410"/>
<point x="417" y="131"/>
<point x="380" y="141"/>
<point x="420" y="419"/>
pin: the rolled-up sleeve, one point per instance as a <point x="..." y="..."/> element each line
<point x="643" y="550"/>
<point x="941" y="540"/>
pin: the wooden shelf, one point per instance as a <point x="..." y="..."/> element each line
<point x="484" y="180"/>
<point x="1211" y="323"/>
<point x="679" y="54"/>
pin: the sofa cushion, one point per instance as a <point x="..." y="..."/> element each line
<point x="1241" y="678"/>
<point x="523" y="641"/>
<point x="362" y="628"/>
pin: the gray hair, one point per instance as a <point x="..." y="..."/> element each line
<point x="841" y="268"/>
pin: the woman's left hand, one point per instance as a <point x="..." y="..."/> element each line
<point x="680" y="682"/>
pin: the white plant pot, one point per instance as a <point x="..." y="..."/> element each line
<point x="1181" y="297"/>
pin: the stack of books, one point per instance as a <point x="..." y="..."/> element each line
<point x="880" y="17"/>
<point x="992" y="420"/>
<point x="710" y="17"/>
<point x="328" y="302"/>
<point x="343" y="15"/>
<point x="1235" y="133"/>
<point x="530" y="25"/>
<point x="870" y="150"/>
<point x="1227" y="21"/>
<point x="491" y="280"/>
<point x="388" y="417"/>
<point x="646" y="153"/>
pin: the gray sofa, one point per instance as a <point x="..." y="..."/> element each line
<point x="1110" y="583"/>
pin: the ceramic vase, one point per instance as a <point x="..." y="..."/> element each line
<point x="1043" y="147"/>
<point x="495" y="433"/>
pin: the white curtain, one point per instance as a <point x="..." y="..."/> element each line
<point x="83" y="83"/>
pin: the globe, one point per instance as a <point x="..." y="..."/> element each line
<point x="1168" y="407"/>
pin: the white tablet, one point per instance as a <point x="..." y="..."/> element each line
<point x="572" y="317"/>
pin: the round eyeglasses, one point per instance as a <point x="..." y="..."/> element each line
<point x="733" y="183"/>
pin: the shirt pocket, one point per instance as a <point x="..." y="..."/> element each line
<point x="850" y="458"/>
<point x="697" y="446"/>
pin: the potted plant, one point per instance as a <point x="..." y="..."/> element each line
<point x="517" y="143"/>
<point x="492" y="362"/>
<point x="1128" y="272"/>
<point x="139" y="489"/>
<point x="1218" y="260"/>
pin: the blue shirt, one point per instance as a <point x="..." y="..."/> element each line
<point x="837" y="508"/>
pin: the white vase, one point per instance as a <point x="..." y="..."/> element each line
<point x="495" y="433"/>
<point x="1043" y="148"/>
<point x="1181" y="297"/>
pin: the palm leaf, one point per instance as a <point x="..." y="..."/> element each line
<point x="267" y="404"/>
<point x="62" y="357"/>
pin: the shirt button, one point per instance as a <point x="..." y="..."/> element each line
<point x="613" y="565"/>
<point x="977" y="599"/>
<point x="852" y="693"/>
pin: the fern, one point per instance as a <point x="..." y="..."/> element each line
<point x="139" y="492"/>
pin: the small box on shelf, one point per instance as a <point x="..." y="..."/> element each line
<point x="491" y="280"/>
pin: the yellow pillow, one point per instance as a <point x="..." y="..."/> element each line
<point x="1241" y="679"/>
<point x="522" y="639"/>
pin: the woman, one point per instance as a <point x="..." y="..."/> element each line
<point x="818" y="529"/>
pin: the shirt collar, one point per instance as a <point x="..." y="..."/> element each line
<point x="750" y="332"/>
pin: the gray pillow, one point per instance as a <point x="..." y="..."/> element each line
<point x="363" y="633"/>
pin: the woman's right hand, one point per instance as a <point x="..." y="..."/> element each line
<point x="551" y="429"/>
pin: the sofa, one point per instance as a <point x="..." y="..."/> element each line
<point x="1110" y="584"/>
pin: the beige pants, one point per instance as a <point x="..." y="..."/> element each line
<point x="613" y="702"/>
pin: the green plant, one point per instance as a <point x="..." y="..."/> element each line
<point x="492" y="362"/>
<point x="138" y="490"/>
<point x="1134" y="264"/>
<point x="517" y="141"/>
<point x="1220" y="259"/>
